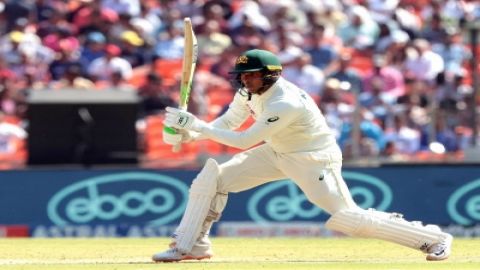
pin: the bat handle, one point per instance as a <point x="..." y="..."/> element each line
<point x="177" y="147"/>
<point x="169" y="130"/>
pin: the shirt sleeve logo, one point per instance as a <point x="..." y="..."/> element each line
<point x="272" y="119"/>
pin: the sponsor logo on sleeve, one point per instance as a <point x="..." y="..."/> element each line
<point x="272" y="119"/>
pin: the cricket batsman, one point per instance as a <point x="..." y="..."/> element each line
<point x="290" y="139"/>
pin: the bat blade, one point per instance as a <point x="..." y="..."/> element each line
<point x="190" y="55"/>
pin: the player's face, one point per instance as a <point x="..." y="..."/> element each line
<point x="253" y="81"/>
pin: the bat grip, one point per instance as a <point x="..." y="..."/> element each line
<point x="169" y="130"/>
<point x="177" y="147"/>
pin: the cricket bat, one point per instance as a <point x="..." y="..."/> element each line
<point x="190" y="54"/>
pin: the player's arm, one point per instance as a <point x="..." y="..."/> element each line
<point x="234" y="117"/>
<point x="274" y="118"/>
<point x="263" y="128"/>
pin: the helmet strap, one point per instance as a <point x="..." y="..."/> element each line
<point x="269" y="79"/>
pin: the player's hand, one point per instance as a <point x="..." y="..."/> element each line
<point x="180" y="119"/>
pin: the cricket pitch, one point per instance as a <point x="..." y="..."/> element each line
<point x="230" y="253"/>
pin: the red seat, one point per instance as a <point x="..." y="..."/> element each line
<point x="169" y="69"/>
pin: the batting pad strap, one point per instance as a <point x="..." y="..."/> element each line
<point x="202" y="191"/>
<point x="214" y="213"/>
<point x="386" y="226"/>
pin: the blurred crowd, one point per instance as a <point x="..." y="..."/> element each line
<point x="393" y="77"/>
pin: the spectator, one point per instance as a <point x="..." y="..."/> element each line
<point x="344" y="73"/>
<point x="130" y="7"/>
<point x="448" y="91"/>
<point x="148" y="22"/>
<point x="247" y="34"/>
<point x="65" y="58"/>
<point x="415" y="102"/>
<point x="101" y="69"/>
<point x="423" y="63"/>
<point x="405" y="139"/>
<point x="285" y="13"/>
<point x="222" y="66"/>
<point x="442" y="134"/>
<point x="389" y="31"/>
<point x="55" y="26"/>
<point x="43" y="10"/>
<point x="435" y="31"/>
<point x="118" y="82"/>
<point x="12" y="144"/>
<point x="298" y="68"/>
<point x="154" y="97"/>
<point x="62" y="36"/>
<point x="212" y="42"/>
<point x="121" y="26"/>
<point x="336" y="104"/>
<point x="249" y="11"/>
<point x="73" y="78"/>
<point x="407" y="18"/>
<point x="93" y="48"/>
<point x="371" y="141"/>
<point x="322" y="49"/>
<point x="92" y="18"/>
<point x="8" y="106"/>
<point x="133" y="49"/>
<point x="332" y="15"/>
<point x="385" y="79"/>
<point x="360" y="31"/>
<point x="170" y="43"/>
<point x="382" y="10"/>
<point x="216" y="11"/>
<point x="11" y="48"/>
<point x="16" y="9"/>
<point x="112" y="43"/>
<point x="454" y="53"/>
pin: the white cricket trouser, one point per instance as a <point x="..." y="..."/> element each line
<point x="317" y="174"/>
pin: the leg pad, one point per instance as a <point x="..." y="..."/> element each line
<point x="202" y="192"/>
<point x="386" y="226"/>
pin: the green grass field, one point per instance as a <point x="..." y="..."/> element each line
<point x="230" y="253"/>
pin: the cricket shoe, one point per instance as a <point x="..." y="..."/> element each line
<point x="199" y="251"/>
<point x="440" y="251"/>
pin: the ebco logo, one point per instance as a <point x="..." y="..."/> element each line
<point x="154" y="198"/>
<point x="284" y="201"/>
<point x="463" y="206"/>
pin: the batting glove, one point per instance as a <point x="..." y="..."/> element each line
<point x="178" y="137"/>
<point x="180" y="119"/>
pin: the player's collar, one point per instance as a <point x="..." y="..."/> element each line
<point x="270" y="90"/>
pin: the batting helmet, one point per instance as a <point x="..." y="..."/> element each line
<point x="256" y="60"/>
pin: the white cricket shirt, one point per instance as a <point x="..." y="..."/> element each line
<point x="286" y="118"/>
